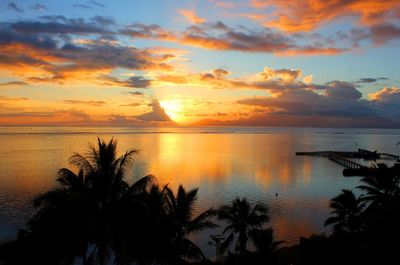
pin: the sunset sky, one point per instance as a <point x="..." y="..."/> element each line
<point x="333" y="63"/>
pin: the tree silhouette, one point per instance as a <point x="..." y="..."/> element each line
<point x="266" y="247"/>
<point x="94" y="213"/>
<point x="347" y="212"/>
<point x="173" y="221"/>
<point x="382" y="187"/>
<point x="241" y="219"/>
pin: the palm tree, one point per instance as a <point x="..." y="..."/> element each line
<point x="382" y="187"/>
<point x="241" y="219"/>
<point x="347" y="212"/>
<point x="174" y="222"/>
<point x="94" y="212"/>
<point x="266" y="246"/>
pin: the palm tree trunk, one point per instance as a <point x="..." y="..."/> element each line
<point x="243" y="241"/>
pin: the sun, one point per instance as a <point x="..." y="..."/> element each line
<point x="174" y="109"/>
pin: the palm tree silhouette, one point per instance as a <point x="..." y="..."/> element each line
<point x="241" y="219"/>
<point x="347" y="212"/>
<point x="94" y="212"/>
<point x="173" y="220"/>
<point x="381" y="187"/>
<point x="266" y="247"/>
<point x="180" y="211"/>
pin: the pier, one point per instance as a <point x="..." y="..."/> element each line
<point x="353" y="168"/>
<point x="344" y="162"/>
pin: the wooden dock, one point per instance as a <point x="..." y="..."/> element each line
<point x="351" y="167"/>
<point x="386" y="156"/>
<point x="344" y="162"/>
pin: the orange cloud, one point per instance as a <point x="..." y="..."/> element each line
<point x="385" y="94"/>
<point x="254" y="16"/>
<point x="191" y="16"/>
<point x="295" y="16"/>
<point x="224" y="4"/>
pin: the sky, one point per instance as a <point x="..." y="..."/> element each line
<point x="311" y="63"/>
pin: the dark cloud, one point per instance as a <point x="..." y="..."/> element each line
<point x="134" y="81"/>
<point x="367" y="80"/>
<point x="54" y="18"/>
<point x="48" y="44"/>
<point x="39" y="7"/>
<point x="135" y="93"/>
<point x="138" y="82"/>
<point x="340" y="105"/>
<point x="371" y="80"/>
<point x="218" y="36"/>
<point x="10" y="36"/>
<point x="72" y="26"/>
<point x="13" y="6"/>
<point x="28" y="114"/>
<point x="309" y="103"/>
<point x="89" y="5"/>
<point x="385" y="32"/>
<point x="95" y="103"/>
<point x="156" y="115"/>
<point x="103" y="21"/>
<point x="5" y="98"/>
<point x="266" y="40"/>
<point x="83" y="6"/>
<point x="144" y="31"/>
<point x="342" y="90"/>
<point x="13" y="83"/>
<point x="135" y="104"/>
<point x="95" y="3"/>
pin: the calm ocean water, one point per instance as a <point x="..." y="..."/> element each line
<point x="223" y="163"/>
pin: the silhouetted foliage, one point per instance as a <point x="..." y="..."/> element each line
<point x="95" y="216"/>
<point x="363" y="227"/>
<point x="347" y="211"/>
<point x="241" y="219"/>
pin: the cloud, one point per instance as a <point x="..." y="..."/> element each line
<point x="103" y="21"/>
<point x="191" y="16"/>
<point x="39" y="7"/>
<point x="371" y="80"/>
<point x="13" y="6"/>
<point x="13" y="83"/>
<point x="95" y="3"/>
<point x="218" y="36"/>
<point x="340" y="105"/>
<point x="175" y="79"/>
<point x="135" y="93"/>
<point x="50" y="51"/>
<point x="342" y="90"/>
<point x="95" y="103"/>
<point x="135" y="104"/>
<point x="224" y="4"/>
<point x="383" y="33"/>
<point x="286" y="75"/>
<point x="156" y="115"/>
<point x="89" y="5"/>
<point x="5" y="98"/>
<point x="311" y="14"/>
<point x="76" y="27"/>
<point x="152" y="31"/>
<point x="274" y="81"/>
<point x="134" y="81"/>
<point x="83" y="6"/>
<point x="385" y="94"/>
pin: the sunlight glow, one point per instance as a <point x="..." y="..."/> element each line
<point x="174" y="109"/>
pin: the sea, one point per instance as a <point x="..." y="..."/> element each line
<point x="257" y="163"/>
